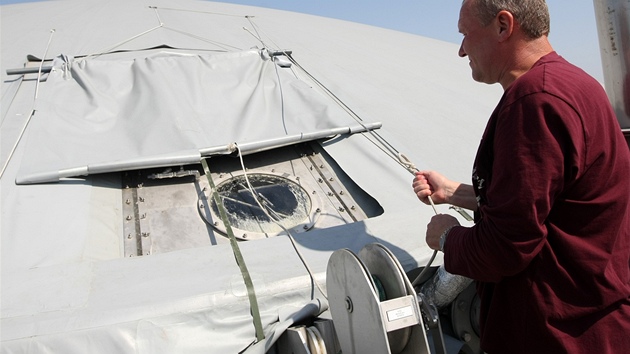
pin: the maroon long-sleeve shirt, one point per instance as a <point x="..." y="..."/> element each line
<point x="550" y="248"/>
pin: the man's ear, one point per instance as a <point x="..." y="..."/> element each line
<point x="505" y="23"/>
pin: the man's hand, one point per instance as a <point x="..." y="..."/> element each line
<point x="443" y="191"/>
<point x="437" y="226"/>
<point x="430" y="183"/>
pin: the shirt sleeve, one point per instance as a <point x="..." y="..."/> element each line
<point x="532" y="152"/>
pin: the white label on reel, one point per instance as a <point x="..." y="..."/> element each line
<point x="399" y="313"/>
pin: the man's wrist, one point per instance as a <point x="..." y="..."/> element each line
<point x="443" y="237"/>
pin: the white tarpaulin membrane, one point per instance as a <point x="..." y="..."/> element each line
<point x="66" y="284"/>
<point x="161" y="110"/>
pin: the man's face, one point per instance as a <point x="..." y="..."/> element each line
<point x="477" y="44"/>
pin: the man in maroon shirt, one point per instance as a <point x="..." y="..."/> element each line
<point x="550" y="248"/>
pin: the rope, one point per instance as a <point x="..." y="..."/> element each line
<point x="221" y="45"/>
<point x="163" y="25"/>
<point x="384" y="146"/>
<point x="266" y="210"/>
<point x="404" y="160"/>
<point x="41" y="63"/>
<point x="99" y="53"/>
<point x="255" y="29"/>
<point x="157" y="14"/>
<point x="30" y="116"/>
<point x="260" y="335"/>
<point x="284" y="124"/>
<point x="380" y="143"/>
<point x="258" y="31"/>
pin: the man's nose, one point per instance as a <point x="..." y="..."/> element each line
<point x="462" y="52"/>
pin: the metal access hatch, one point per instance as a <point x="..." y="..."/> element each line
<point x="170" y="209"/>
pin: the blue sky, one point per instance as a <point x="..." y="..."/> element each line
<point x="573" y="29"/>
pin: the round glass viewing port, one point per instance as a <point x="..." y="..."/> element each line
<point x="286" y="203"/>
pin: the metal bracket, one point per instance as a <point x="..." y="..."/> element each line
<point x="432" y="317"/>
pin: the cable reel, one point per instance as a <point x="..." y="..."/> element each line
<point x="373" y="304"/>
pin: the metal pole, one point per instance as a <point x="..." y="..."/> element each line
<point x="613" y="27"/>
<point x="29" y="70"/>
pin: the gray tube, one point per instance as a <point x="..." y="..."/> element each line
<point x="182" y="158"/>
<point x="190" y="157"/>
<point x="247" y="148"/>
<point x="29" y="70"/>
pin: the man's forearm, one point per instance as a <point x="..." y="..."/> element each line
<point x="463" y="196"/>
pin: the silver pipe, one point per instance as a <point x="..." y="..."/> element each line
<point x="247" y="148"/>
<point x="29" y="70"/>
<point x="190" y="157"/>
<point x="613" y="27"/>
